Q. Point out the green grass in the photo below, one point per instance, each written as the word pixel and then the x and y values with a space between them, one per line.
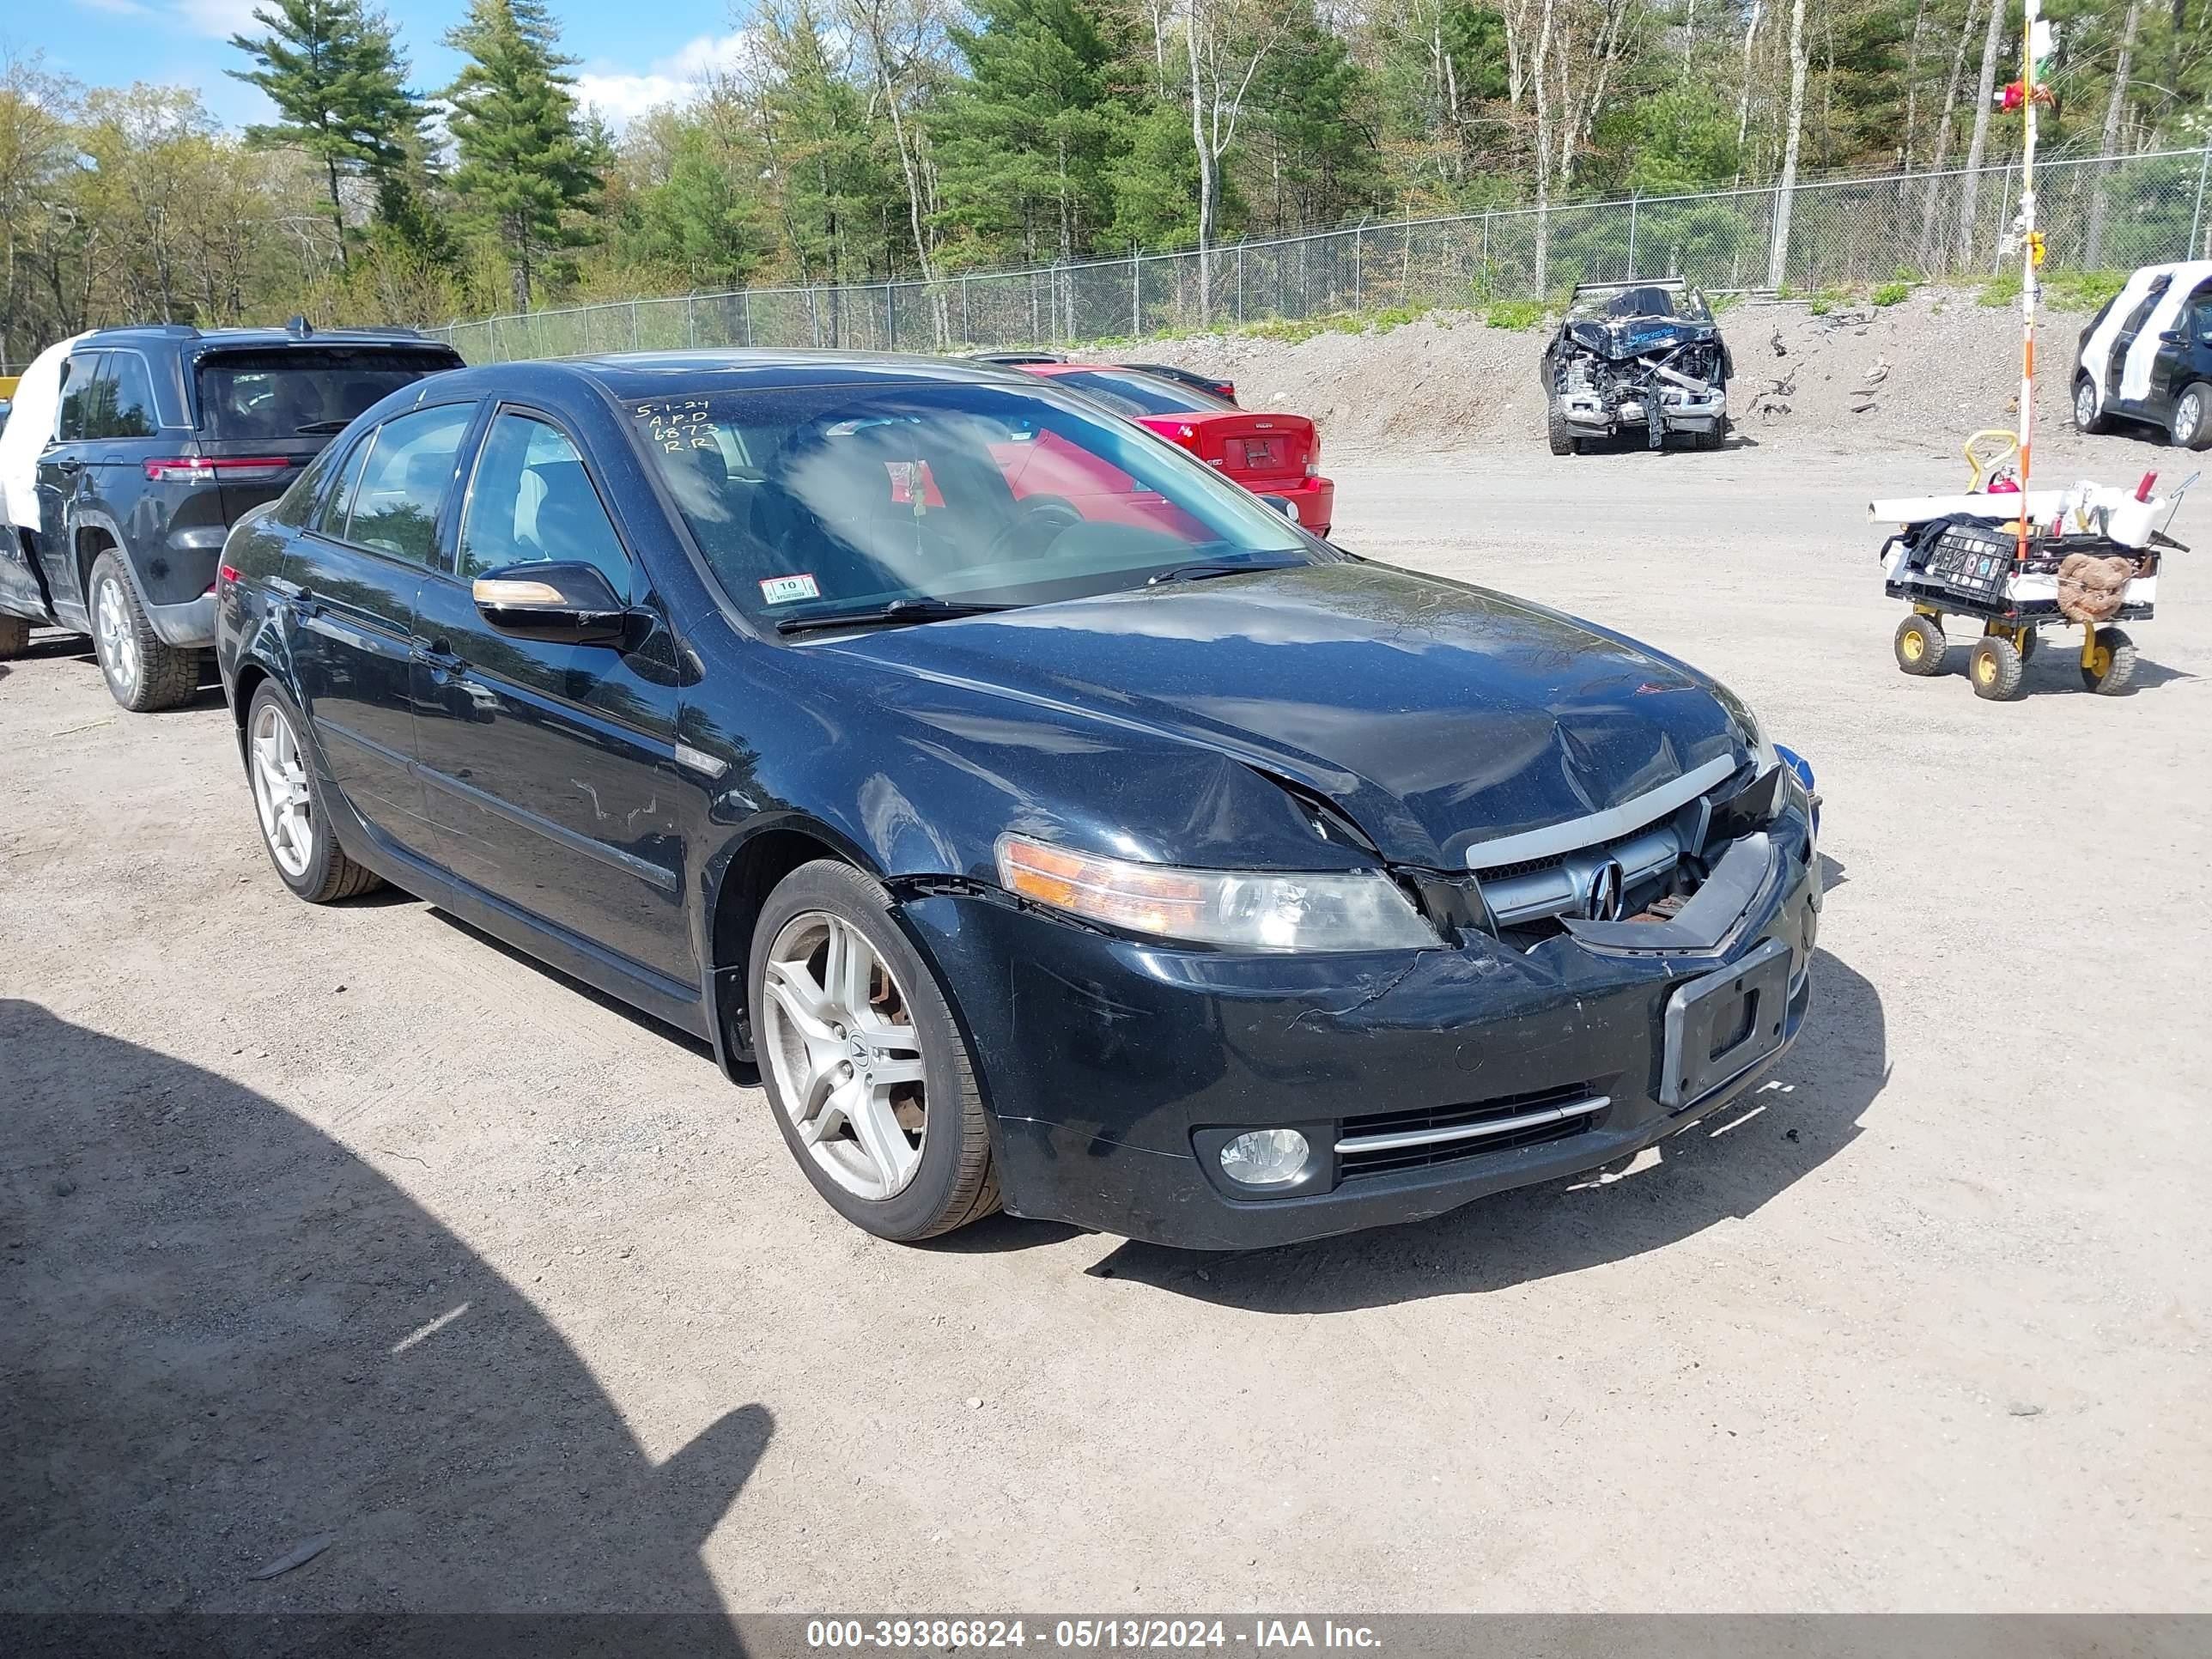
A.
pixel 1891 294
pixel 2000 291
pixel 2081 290
pixel 1514 314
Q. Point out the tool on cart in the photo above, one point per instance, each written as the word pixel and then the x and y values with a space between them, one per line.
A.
pixel 2013 557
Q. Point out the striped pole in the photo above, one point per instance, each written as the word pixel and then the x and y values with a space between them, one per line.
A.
pixel 2031 255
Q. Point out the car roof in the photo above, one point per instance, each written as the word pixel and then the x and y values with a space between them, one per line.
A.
pixel 185 335
pixel 632 375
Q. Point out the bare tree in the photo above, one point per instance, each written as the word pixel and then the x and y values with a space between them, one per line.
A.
pixel 1226 41
pixel 1969 187
pixel 1786 190
pixel 1931 256
pixel 900 40
pixel 2115 102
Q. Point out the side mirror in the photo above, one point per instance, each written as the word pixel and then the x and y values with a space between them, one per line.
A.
pixel 2172 337
pixel 564 604
pixel 1283 505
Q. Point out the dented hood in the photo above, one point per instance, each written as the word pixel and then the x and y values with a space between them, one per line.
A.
pixel 1436 714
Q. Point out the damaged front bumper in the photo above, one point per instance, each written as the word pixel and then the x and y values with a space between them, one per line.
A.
pixel 1116 1069
pixel 1680 410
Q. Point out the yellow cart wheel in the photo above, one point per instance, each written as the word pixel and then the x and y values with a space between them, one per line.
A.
pixel 2108 662
pixel 1920 646
pixel 1993 667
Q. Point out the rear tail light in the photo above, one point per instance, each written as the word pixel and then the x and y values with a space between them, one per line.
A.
pixel 204 469
pixel 1226 389
pixel 1313 458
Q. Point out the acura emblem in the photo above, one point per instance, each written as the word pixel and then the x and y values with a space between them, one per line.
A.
pixel 1602 900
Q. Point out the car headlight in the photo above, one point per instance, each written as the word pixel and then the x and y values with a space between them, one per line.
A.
pixel 1246 910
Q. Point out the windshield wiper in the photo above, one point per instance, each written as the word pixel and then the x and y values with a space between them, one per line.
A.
pixel 882 615
pixel 1204 569
pixel 314 426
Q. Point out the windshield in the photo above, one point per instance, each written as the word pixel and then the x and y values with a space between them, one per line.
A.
pixel 1130 391
pixel 1646 300
pixel 302 392
pixel 827 500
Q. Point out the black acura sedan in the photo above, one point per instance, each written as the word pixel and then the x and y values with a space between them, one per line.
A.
pixel 1051 825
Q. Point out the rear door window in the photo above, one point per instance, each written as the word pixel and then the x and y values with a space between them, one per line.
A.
pixel 390 499
pixel 340 505
pixel 302 392
pixel 82 379
pixel 127 409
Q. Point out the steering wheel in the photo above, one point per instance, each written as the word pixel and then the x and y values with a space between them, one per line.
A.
pixel 1036 512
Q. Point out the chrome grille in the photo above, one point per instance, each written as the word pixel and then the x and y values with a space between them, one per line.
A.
pixel 1379 1142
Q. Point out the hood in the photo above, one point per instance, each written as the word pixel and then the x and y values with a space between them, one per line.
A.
pixel 1621 338
pixel 1437 715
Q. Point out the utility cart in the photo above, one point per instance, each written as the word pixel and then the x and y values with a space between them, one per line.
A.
pixel 2088 558
pixel 2014 559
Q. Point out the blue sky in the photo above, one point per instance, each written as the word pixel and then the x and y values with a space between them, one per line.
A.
pixel 633 57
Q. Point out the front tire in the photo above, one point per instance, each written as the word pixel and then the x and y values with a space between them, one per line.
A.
pixel 1995 668
pixel 143 672
pixel 872 1083
pixel 1920 648
pixel 2190 424
pixel 1562 435
pixel 295 830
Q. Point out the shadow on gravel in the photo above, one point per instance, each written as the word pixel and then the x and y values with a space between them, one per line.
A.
pixel 1721 1170
pixel 227 1345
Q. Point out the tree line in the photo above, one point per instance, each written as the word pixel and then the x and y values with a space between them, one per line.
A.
pixel 864 140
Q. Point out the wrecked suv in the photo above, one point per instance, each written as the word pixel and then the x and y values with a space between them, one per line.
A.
pixel 1644 354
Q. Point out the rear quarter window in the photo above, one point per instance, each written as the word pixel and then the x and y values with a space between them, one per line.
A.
pixel 303 391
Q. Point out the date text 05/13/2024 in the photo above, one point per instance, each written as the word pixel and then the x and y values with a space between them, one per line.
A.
pixel 1111 1635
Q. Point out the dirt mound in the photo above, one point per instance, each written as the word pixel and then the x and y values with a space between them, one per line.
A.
pixel 1913 378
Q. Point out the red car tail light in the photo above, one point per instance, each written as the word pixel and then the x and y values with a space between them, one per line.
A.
pixel 204 469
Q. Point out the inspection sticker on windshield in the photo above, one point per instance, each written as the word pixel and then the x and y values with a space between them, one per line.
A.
pixel 783 590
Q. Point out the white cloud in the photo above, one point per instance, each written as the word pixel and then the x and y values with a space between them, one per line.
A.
pixel 220 18
pixel 119 8
pixel 621 98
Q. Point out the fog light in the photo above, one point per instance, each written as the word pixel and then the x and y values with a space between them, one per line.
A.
pixel 1265 1158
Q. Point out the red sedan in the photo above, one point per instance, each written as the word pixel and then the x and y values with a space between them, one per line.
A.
pixel 1269 454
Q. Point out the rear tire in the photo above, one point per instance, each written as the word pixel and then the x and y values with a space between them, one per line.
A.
pixel 143 672
pixel 1920 646
pixel 287 800
pixel 2088 415
pixel 1994 666
pixel 2189 426
pixel 2111 665
pixel 819 916
pixel 15 637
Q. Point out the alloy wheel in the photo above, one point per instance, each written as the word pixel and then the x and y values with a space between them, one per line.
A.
pixel 116 637
pixel 280 791
pixel 2188 416
pixel 2085 405
pixel 847 1057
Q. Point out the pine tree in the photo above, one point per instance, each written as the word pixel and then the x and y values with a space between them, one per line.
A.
pixel 525 162
pixel 336 80
pixel 1024 140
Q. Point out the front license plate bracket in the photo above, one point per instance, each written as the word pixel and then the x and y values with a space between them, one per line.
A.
pixel 1720 1026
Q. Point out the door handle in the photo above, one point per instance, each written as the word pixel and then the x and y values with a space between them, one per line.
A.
pixel 67 464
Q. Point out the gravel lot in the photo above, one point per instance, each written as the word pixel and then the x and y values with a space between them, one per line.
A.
pixel 348 1225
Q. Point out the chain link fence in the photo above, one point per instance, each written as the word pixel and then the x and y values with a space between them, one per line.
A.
pixel 1842 233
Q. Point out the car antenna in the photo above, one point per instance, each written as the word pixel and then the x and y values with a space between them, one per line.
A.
pixel 300 326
